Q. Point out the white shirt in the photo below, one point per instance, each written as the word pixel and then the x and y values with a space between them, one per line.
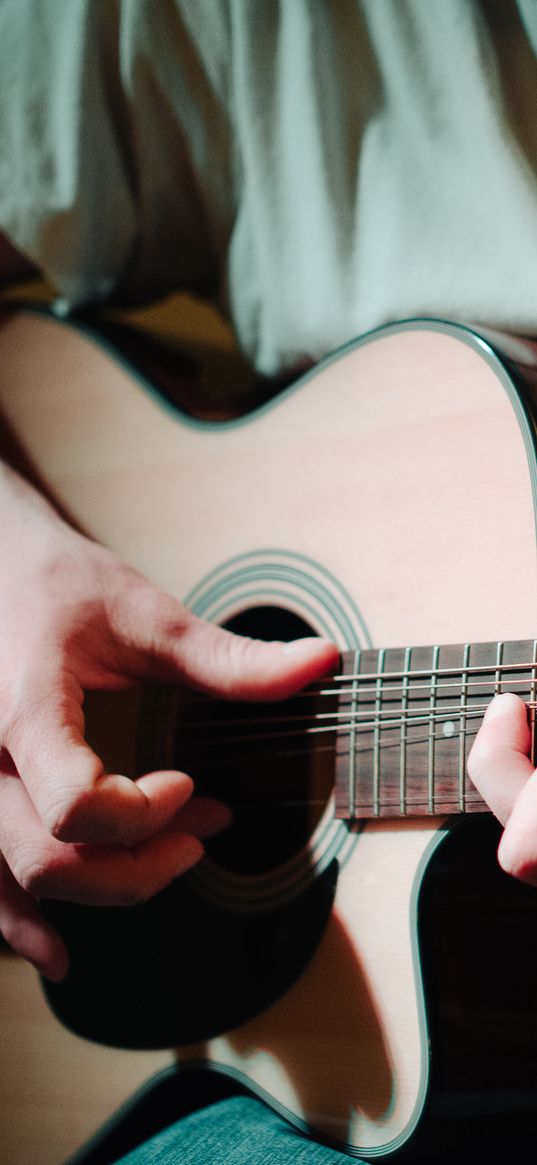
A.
pixel 315 168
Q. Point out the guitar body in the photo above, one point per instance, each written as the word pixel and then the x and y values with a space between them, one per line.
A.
pixel 373 980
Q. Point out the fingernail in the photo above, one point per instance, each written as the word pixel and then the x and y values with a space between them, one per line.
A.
pixel 297 645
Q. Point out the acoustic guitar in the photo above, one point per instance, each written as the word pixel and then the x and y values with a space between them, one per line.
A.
pixel 349 948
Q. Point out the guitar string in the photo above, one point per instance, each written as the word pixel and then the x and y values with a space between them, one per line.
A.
pixel 360 722
pixel 471 797
pixel 313 692
pixel 384 719
pixel 472 669
pixel 482 683
pixel 362 750
pixel 341 729
pixel 236 722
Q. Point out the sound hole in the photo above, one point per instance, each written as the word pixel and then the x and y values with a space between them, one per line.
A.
pixel 260 760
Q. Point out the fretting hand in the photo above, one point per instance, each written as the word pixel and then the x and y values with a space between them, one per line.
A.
pixel 500 768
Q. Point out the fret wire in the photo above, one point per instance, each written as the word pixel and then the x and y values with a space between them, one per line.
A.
pixel 499 663
pixel 403 738
pixel 431 734
pixel 533 697
pixel 462 739
pixel 376 753
pixel 352 736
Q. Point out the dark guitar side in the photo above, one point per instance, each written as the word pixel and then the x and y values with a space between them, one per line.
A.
pixel 477 936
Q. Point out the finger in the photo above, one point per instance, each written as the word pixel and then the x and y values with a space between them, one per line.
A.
pixel 517 852
pixel 239 668
pixel 500 768
pixel 164 639
pixel 104 875
pixel 498 764
pixel 203 817
pixel 75 799
pixel 119 810
pixel 30 935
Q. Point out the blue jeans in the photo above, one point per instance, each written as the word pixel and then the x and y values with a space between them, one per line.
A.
pixel 240 1131
pixel 244 1131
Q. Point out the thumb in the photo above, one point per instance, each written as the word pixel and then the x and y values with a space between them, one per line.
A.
pixel 173 643
pixel 238 668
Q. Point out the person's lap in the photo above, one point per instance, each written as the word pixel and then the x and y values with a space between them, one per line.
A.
pixel 240 1131
pixel 244 1131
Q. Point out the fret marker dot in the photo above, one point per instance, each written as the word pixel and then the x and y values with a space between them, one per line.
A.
pixel 449 728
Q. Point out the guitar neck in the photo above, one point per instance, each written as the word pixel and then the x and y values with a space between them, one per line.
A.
pixel 406 719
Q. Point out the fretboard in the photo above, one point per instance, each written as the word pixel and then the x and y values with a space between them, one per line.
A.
pixel 410 716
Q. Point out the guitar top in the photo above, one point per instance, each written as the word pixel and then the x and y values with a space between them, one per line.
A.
pixel 349 949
